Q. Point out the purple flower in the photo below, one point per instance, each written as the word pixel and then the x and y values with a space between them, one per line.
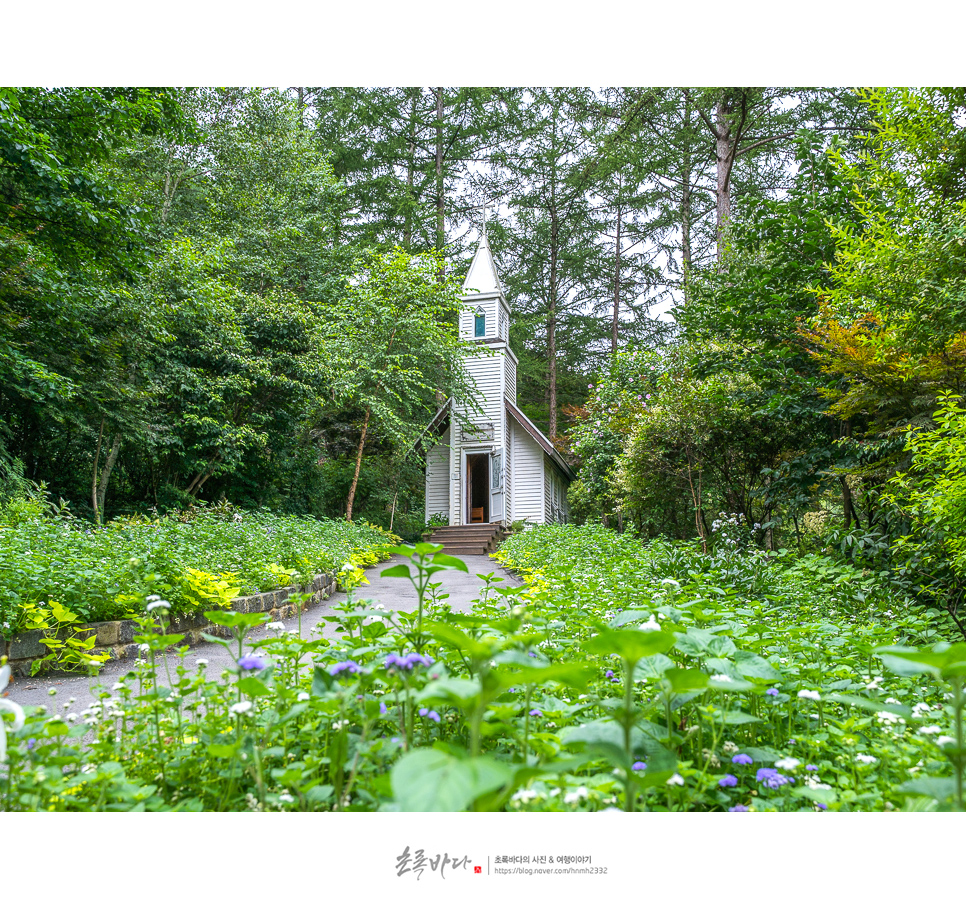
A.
pixel 382 708
pixel 728 780
pixel 429 714
pixel 738 808
pixel 811 768
pixel 771 778
pixel 341 666
pixel 615 680
pixel 742 759
pixel 822 806
pixel 772 691
pixel 251 663
pixel 536 712
pixel 31 742
pixel 407 662
pixel 639 765
pixel 608 674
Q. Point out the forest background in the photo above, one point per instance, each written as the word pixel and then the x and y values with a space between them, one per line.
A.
pixel 249 294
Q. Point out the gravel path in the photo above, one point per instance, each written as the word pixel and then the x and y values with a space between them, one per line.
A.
pixel 394 593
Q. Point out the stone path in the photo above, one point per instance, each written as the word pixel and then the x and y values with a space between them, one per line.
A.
pixel 394 593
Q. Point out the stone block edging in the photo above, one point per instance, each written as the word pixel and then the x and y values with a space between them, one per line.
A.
pixel 117 636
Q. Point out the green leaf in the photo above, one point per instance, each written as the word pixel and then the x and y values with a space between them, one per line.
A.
pixel 428 779
pixel 940 788
pixel 252 686
pixel 322 681
pixel 630 644
pixel 652 667
pixel 396 571
pixel 684 680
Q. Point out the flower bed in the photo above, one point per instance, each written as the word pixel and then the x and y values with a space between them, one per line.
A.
pixel 196 561
pixel 625 676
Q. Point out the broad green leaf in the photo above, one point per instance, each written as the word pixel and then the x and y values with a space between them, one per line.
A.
pixel 428 779
pixel 630 644
pixel 252 686
pixel 396 571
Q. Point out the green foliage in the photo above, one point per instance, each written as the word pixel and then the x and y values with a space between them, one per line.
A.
pixel 199 562
pixel 647 676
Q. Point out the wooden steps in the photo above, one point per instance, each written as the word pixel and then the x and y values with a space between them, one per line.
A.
pixel 468 539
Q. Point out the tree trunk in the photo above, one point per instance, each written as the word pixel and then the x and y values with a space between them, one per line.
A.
pixel 848 509
pixel 440 198
pixel 724 151
pixel 355 475
pixel 410 171
pixel 97 459
pixel 686 197
pixel 615 326
pixel 99 484
pixel 552 330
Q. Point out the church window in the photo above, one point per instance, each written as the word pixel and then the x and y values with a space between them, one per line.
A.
pixel 480 325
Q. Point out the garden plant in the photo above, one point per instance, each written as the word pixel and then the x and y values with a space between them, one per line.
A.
pixel 623 675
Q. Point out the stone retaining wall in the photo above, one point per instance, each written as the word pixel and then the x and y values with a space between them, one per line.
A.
pixel 117 636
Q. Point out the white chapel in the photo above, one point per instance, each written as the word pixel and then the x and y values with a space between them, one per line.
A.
pixel 496 467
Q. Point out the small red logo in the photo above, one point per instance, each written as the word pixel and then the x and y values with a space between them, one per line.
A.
pixel 477 870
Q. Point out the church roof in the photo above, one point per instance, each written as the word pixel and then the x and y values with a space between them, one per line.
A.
pixel 541 439
pixel 483 276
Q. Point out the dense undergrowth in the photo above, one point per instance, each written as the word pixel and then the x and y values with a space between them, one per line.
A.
pixel 640 677
pixel 197 560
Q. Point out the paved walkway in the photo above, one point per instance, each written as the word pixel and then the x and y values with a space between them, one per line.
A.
pixel 394 593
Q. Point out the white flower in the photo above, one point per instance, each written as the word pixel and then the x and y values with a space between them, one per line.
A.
pixel 874 684
pixel 890 718
pixel 808 695
pixel 920 709
pixel 576 795
pixel 9 706
pixel 524 795
pixel 119 686
pixel 676 780
pixel 943 740
pixel 670 581
pixel 286 797
pixel 153 605
pixel 302 697
pixel 722 678
pixel 650 625
pixel 275 626
pixel 338 726
pixel 72 717
pixel 930 730
pixel 241 707
pixel 729 747
pixel 787 763
pixel 866 758
pixel 201 662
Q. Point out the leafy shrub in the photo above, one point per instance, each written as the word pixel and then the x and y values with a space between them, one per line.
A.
pixel 197 559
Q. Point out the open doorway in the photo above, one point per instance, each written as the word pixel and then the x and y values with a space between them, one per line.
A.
pixel 477 488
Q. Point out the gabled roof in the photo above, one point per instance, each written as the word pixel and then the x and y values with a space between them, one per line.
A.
pixel 483 276
pixel 540 438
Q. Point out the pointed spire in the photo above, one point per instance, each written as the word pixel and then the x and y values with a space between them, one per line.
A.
pixel 483 275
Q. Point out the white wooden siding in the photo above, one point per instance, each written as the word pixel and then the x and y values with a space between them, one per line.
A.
pixel 468 319
pixel 510 378
pixel 508 473
pixel 437 478
pixel 528 477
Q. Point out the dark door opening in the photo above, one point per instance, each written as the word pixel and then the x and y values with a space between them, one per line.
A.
pixel 478 488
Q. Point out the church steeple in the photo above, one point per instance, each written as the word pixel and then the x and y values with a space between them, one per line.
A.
pixel 483 276
pixel 486 313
